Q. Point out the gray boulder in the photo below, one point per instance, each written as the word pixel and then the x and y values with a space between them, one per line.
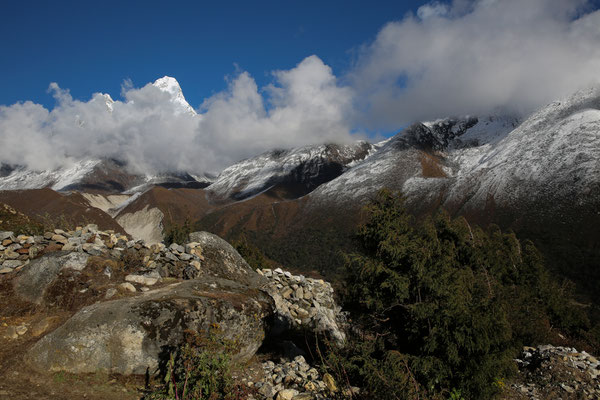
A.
pixel 32 283
pixel 222 260
pixel 132 334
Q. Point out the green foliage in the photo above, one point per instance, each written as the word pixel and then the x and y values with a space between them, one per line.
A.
pixel 200 369
pixel 445 306
pixel 252 254
pixel 178 233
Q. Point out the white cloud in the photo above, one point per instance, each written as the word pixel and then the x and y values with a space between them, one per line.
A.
pixel 305 105
pixel 475 57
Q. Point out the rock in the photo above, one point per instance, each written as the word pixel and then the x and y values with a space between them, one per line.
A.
pixel 129 335
pixel 196 264
pixel 59 239
pixel 21 330
pixel 185 257
pixel 11 333
pixel 6 235
pixel 12 263
pixel 223 261
pixel 110 292
pixel 6 270
pixel 40 327
pixel 303 396
pixel 42 272
pixel 92 249
pixel 141 279
pixel 330 383
pixel 286 394
pixel 127 287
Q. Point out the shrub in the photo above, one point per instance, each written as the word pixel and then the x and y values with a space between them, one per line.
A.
pixel 178 233
pixel 444 306
pixel 200 369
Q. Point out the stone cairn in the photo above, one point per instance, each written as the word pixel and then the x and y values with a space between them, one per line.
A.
pixel 157 259
pixel 305 303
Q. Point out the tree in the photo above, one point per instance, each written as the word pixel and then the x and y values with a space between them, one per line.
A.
pixel 449 300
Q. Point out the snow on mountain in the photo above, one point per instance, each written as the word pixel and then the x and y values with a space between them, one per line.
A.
pixel 551 155
pixel 414 159
pixel 308 166
pixel 171 86
pixel 21 178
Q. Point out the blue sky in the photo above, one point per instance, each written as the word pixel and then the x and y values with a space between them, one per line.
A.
pixel 92 46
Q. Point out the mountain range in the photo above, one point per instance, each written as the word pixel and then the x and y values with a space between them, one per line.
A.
pixel 538 175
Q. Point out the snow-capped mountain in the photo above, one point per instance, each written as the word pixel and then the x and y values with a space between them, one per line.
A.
pixel 171 86
pixel 415 153
pixel 305 167
pixel 97 176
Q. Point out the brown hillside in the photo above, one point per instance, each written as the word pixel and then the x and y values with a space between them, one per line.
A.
pixel 50 207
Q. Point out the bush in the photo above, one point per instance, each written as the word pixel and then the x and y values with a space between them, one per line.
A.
pixel 177 233
pixel 444 306
pixel 200 369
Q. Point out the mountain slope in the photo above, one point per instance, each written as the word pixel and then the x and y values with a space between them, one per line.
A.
pixel 300 170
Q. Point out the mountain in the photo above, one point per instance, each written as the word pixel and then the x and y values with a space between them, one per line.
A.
pixel 106 176
pixel 299 170
pixel 539 176
pixel 171 86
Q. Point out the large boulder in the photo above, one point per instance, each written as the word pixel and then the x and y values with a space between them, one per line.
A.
pixel 132 334
pixel 32 283
pixel 222 260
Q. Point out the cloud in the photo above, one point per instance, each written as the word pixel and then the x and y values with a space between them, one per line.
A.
pixel 474 57
pixel 304 105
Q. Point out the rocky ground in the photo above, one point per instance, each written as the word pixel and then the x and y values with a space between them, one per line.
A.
pixel 90 314
pixel 548 372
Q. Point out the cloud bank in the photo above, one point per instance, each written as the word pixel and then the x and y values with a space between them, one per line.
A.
pixel 473 57
pixel 447 59
pixel 152 133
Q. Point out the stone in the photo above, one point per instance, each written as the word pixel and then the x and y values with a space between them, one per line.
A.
pixel 196 264
pixel 6 242
pixel 185 257
pixel 141 279
pixel 42 326
pixel 299 293
pixel 6 235
pixel 127 287
pixel 11 264
pixel 6 270
pixel 286 394
pixel 223 261
pixel 11 333
pixel 92 249
pixel 129 335
pixel 21 330
pixel 110 293
pixel 303 396
pixel 32 283
pixel 59 238
pixel 330 383
pixel 287 292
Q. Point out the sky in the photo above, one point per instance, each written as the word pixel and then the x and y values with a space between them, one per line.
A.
pixel 93 46
pixel 265 75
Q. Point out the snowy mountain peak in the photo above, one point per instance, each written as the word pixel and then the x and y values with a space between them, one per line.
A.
pixel 171 86
pixel 108 101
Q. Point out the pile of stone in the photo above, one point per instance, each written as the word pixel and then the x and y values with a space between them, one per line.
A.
pixel 557 372
pixel 294 380
pixel 17 250
pixel 176 260
pixel 305 303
